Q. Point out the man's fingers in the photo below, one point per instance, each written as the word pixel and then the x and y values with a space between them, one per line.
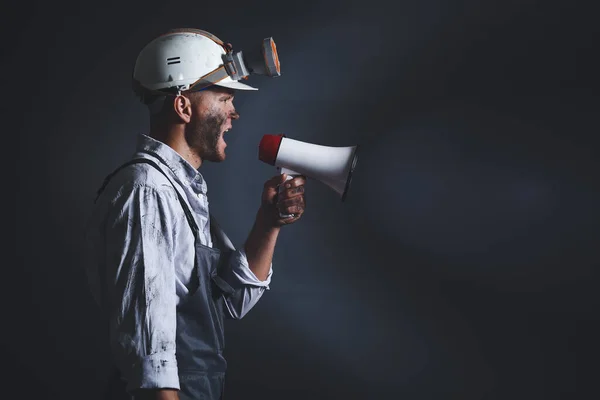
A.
pixel 297 181
pixel 293 192
pixel 296 211
pixel 292 201
pixel 291 220
pixel 275 181
pixel 281 178
pixel 294 205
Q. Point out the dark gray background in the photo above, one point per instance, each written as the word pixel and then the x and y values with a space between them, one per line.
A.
pixel 462 265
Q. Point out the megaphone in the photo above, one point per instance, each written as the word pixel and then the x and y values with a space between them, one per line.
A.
pixel 332 166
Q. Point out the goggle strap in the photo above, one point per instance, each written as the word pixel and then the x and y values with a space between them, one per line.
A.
pixel 226 46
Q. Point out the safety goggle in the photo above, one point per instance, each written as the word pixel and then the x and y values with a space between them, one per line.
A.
pixel 263 60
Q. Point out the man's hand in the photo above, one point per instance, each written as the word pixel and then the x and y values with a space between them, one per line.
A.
pixel 260 244
pixel 290 200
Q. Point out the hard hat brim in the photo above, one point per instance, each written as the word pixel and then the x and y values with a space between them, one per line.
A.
pixel 235 85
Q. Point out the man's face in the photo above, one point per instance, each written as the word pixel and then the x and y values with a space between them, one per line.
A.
pixel 212 114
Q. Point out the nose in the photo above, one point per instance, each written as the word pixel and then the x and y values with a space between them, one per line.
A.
pixel 234 115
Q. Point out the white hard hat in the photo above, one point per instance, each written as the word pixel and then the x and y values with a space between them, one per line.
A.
pixel 183 59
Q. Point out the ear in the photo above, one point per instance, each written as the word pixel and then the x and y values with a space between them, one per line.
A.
pixel 183 108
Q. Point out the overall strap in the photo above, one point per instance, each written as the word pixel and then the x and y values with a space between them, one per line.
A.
pixel 220 282
pixel 186 209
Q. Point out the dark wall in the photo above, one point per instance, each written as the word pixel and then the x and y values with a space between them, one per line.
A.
pixel 463 263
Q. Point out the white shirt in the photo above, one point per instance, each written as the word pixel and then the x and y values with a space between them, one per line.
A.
pixel 140 257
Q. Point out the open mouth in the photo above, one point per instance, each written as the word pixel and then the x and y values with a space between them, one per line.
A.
pixel 223 134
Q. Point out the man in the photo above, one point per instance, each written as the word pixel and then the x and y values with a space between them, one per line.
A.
pixel 163 272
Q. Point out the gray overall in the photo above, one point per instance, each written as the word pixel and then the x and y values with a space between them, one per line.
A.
pixel 200 316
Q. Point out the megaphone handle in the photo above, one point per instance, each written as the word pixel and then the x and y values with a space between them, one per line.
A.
pixel 290 175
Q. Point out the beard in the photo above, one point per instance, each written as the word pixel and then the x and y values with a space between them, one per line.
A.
pixel 203 134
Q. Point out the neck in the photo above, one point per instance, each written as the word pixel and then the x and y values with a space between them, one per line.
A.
pixel 174 137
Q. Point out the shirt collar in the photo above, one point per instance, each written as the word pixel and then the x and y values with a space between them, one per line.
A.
pixel 182 169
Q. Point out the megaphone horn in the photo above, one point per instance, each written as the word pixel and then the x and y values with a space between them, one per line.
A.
pixel 332 166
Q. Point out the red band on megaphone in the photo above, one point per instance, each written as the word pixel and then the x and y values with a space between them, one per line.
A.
pixel 269 147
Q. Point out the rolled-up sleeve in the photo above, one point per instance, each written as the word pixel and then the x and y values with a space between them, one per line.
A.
pixel 249 289
pixel 141 287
